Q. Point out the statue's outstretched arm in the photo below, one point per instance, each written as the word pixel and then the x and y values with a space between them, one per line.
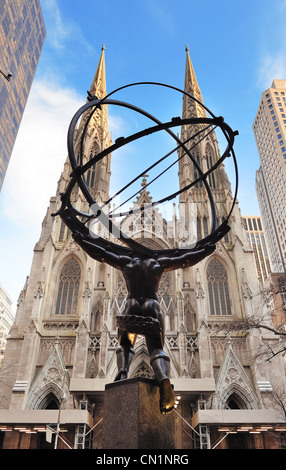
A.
pixel 99 253
pixel 186 260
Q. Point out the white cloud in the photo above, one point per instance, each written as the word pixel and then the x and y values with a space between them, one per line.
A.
pixel 39 153
pixel 273 66
pixel 62 32
pixel 272 63
pixel 34 170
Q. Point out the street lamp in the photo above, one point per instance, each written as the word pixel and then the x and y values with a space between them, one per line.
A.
pixel 8 76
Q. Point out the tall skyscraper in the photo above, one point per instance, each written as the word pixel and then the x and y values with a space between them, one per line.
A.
pixel 256 236
pixel 22 36
pixel 270 134
pixel 64 339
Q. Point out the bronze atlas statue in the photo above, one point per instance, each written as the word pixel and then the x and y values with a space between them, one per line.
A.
pixel 141 266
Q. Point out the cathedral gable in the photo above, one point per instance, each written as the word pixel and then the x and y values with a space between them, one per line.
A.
pixel 233 380
pixel 52 379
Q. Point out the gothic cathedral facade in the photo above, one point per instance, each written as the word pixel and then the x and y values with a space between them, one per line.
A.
pixel 63 342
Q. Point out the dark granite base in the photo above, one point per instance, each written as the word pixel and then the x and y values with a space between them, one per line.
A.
pixel 132 418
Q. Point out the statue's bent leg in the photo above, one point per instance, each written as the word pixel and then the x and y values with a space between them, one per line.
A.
pixel 160 362
pixel 124 353
pixel 126 340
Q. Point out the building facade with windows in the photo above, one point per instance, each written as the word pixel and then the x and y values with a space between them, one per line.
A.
pixel 270 134
pixel 22 36
pixel 61 351
pixel 256 236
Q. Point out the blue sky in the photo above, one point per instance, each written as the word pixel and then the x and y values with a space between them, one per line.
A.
pixel 237 49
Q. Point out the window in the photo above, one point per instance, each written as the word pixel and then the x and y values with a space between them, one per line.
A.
pixel 196 171
pixel 210 162
pixel 218 289
pixel 199 231
pixel 67 298
pixel 64 232
pixel 226 237
pixel 205 227
pixel 90 179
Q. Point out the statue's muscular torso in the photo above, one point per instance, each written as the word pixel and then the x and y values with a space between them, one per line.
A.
pixel 142 278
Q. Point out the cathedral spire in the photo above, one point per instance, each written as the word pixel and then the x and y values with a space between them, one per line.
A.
pixel 191 108
pixel 96 137
pixel 98 87
pixel 191 84
pixel 98 176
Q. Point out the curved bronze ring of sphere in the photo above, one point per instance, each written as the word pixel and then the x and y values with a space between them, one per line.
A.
pixel 74 218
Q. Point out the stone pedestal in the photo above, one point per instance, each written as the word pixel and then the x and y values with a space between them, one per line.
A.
pixel 132 418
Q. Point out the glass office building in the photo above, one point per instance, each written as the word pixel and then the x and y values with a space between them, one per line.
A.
pixel 22 36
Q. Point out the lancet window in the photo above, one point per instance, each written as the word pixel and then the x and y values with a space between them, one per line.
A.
pixel 67 298
pixel 202 227
pixel 205 227
pixel 199 230
pixel 218 289
pixel 91 172
pixel 196 171
pixel 64 232
pixel 210 163
pixel 226 237
pixel 90 179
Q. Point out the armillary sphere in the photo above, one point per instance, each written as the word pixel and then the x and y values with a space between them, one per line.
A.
pixel 79 222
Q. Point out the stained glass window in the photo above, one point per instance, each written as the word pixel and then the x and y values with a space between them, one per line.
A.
pixel 218 289
pixel 68 288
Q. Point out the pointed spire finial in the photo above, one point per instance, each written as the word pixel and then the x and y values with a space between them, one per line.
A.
pixel 144 180
pixel 98 87
pixel 191 87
